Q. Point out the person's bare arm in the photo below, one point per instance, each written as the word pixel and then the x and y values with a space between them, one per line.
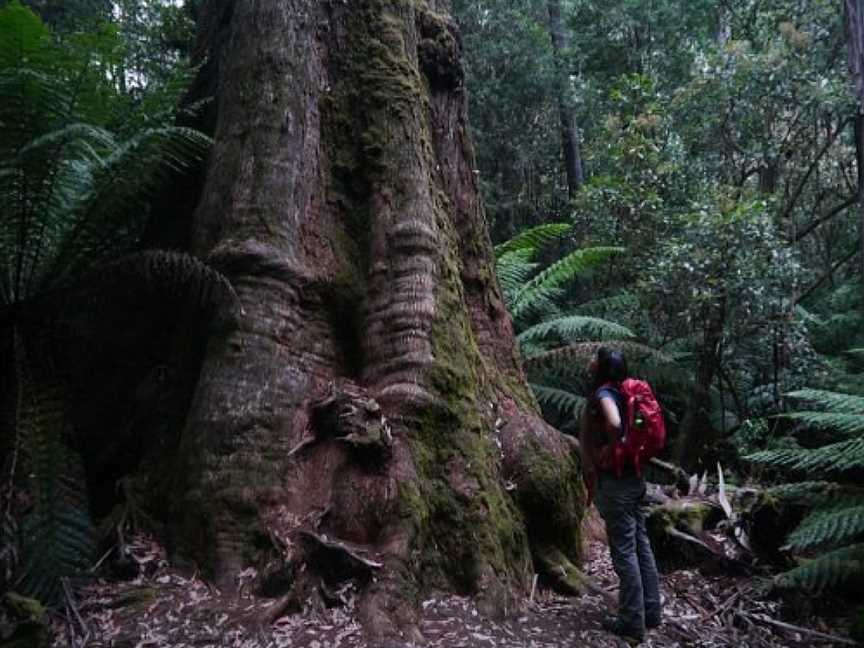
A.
pixel 585 444
pixel 612 417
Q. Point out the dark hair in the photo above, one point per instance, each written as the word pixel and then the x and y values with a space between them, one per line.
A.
pixel 611 367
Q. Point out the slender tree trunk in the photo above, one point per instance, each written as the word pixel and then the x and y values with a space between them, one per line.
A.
pixel 696 431
pixel 566 114
pixel 855 33
pixel 369 402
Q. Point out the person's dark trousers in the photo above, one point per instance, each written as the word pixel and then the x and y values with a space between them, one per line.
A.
pixel 620 502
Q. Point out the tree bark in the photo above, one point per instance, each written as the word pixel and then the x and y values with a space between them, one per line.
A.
pixel 569 132
pixel 370 401
pixel 855 34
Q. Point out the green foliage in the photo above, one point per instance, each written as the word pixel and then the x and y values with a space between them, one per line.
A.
pixel 836 515
pixel 513 111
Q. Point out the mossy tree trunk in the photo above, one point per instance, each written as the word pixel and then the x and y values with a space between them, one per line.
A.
pixel 369 401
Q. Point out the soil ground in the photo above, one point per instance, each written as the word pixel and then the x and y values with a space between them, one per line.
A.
pixel 167 609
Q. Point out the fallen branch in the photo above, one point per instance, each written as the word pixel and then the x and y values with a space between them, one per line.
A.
pixel 73 609
pixel 721 608
pixel 793 628
pixel 342 547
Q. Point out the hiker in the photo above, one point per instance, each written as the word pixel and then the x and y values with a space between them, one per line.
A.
pixel 619 491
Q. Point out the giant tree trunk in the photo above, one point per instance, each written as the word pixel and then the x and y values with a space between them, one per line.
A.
pixel 369 403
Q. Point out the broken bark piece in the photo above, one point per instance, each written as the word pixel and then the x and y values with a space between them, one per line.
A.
pixel 348 415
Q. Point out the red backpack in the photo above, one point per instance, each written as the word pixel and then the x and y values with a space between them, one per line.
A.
pixel 643 430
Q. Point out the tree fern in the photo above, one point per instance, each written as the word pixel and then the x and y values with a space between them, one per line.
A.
pixel 836 515
pixel 816 493
pixel 835 402
pixel 76 166
pixel 74 189
pixel 839 458
pixel 551 335
pixel 514 268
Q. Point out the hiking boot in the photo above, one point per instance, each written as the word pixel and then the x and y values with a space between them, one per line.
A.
pixel 650 624
pixel 617 628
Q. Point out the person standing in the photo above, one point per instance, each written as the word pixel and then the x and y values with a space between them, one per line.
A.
pixel 619 493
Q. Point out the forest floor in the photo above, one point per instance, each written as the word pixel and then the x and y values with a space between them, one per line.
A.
pixel 167 609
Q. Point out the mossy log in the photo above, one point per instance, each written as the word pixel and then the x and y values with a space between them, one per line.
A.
pixel 676 530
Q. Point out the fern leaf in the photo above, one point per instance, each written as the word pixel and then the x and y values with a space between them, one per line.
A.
pixel 553 278
pixel 839 567
pixel 840 457
pixel 57 541
pixel 624 302
pixel 514 269
pixel 845 424
pixel 57 537
pixel 576 327
pixel 577 355
pixel 564 401
pixel 832 526
pixel 534 239
pixel 833 401
pixel 816 493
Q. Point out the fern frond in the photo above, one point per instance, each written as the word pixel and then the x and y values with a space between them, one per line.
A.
pixel 845 424
pixel 122 180
pixel 168 275
pixel 623 302
pixel 575 327
pixel 534 239
pixel 552 279
pixel 815 493
pixel 839 457
pixel 514 268
pixel 826 527
pixel 833 401
pixel 58 541
pixel 836 568
pixel 564 401
pixel 57 537
pixel 577 355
